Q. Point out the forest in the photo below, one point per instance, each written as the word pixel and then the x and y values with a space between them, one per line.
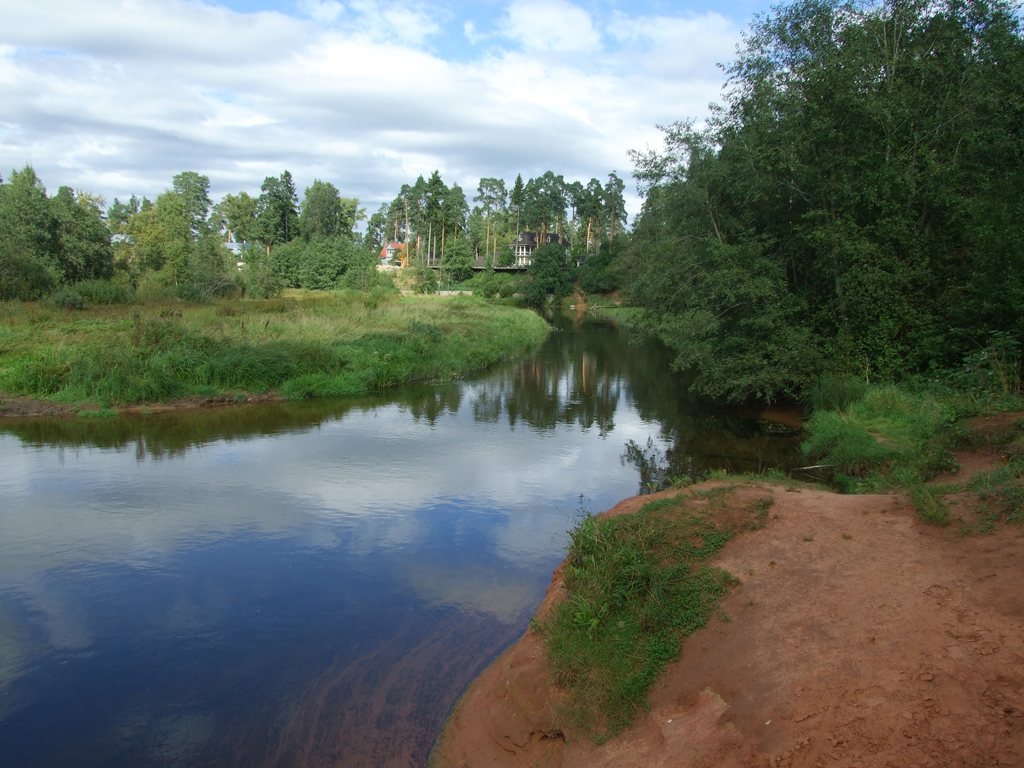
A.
pixel 851 208
pixel 60 246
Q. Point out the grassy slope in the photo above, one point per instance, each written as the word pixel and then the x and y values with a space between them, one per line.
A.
pixel 302 345
pixel 637 584
pixel 885 437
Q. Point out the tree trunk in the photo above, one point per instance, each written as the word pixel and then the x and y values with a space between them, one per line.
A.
pixel 405 260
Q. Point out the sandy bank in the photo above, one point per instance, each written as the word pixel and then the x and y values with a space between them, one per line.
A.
pixel 859 637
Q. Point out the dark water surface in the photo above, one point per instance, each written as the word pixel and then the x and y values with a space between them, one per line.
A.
pixel 315 583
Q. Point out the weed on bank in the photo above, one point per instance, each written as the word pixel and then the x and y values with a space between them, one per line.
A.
pixel 304 345
pixel 884 437
pixel 637 584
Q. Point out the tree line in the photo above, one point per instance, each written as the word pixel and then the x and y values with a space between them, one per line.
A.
pixel 429 217
pixel 854 207
pixel 174 244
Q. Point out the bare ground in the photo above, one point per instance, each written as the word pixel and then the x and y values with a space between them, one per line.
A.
pixel 859 637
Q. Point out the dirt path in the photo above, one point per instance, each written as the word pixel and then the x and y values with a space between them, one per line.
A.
pixel 859 637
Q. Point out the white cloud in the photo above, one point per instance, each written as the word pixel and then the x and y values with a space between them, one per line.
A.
pixel 117 97
pixel 474 37
pixel 324 11
pixel 551 25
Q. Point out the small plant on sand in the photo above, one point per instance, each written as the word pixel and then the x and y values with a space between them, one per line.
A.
pixel 636 585
pixel 930 508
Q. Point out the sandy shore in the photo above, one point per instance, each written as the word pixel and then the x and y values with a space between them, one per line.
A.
pixel 859 637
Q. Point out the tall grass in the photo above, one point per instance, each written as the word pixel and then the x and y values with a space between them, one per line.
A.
pixel 305 345
pixel 886 428
pixel 877 437
pixel 636 585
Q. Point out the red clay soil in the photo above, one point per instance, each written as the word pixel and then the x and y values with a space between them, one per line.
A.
pixel 859 637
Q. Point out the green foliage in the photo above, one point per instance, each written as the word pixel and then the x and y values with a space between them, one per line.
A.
pixel 323 345
pixel 324 262
pixel 286 262
pixel 458 260
pixel 68 298
pixel 258 276
pixel 599 272
pixel 930 508
pixel 850 208
pixel 636 585
pixel 277 216
pixel 23 275
pixel 888 428
pixel 1001 494
pixel 104 292
pixel 549 273
pixel 48 242
pixel 834 393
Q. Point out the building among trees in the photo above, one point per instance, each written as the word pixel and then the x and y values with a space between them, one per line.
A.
pixel 528 242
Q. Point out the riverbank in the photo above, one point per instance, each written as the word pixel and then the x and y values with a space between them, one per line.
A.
pixel 57 361
pixel 858 635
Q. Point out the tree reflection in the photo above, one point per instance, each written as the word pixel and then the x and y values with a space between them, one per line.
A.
pixel 581 376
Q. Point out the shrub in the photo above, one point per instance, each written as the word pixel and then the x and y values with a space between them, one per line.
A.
pixel 507 290
pixel 549 273
pixel 68 298
pixel 22 275
pixel 104 292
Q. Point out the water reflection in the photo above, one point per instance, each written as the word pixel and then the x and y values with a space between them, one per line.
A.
pixel 313 582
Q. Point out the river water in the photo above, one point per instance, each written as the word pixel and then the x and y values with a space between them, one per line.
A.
pixel 315 583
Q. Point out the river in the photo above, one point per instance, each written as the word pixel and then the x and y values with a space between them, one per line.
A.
pixel 315 583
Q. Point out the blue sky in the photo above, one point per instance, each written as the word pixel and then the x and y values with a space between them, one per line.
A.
pixel 116 96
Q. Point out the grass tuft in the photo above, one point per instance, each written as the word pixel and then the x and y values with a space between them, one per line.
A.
pixel 636 585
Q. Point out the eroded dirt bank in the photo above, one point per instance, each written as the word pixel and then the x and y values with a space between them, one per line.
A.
pixel 859 637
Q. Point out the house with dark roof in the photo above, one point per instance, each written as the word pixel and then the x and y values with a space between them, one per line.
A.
pixel 528 242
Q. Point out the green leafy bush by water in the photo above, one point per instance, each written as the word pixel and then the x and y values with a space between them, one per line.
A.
pixel 636 585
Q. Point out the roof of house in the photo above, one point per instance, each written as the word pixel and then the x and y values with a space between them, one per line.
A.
pixel 393 246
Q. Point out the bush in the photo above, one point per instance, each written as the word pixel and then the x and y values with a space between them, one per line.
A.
pixel 835 393
pixel 458 260
pixel 23 276
pixel 104 292
pixel 68 298
pixel 549 274
pixel 286 262
pixel 259 279
pixel 378 295
pixel 490 288
pixel 507 290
